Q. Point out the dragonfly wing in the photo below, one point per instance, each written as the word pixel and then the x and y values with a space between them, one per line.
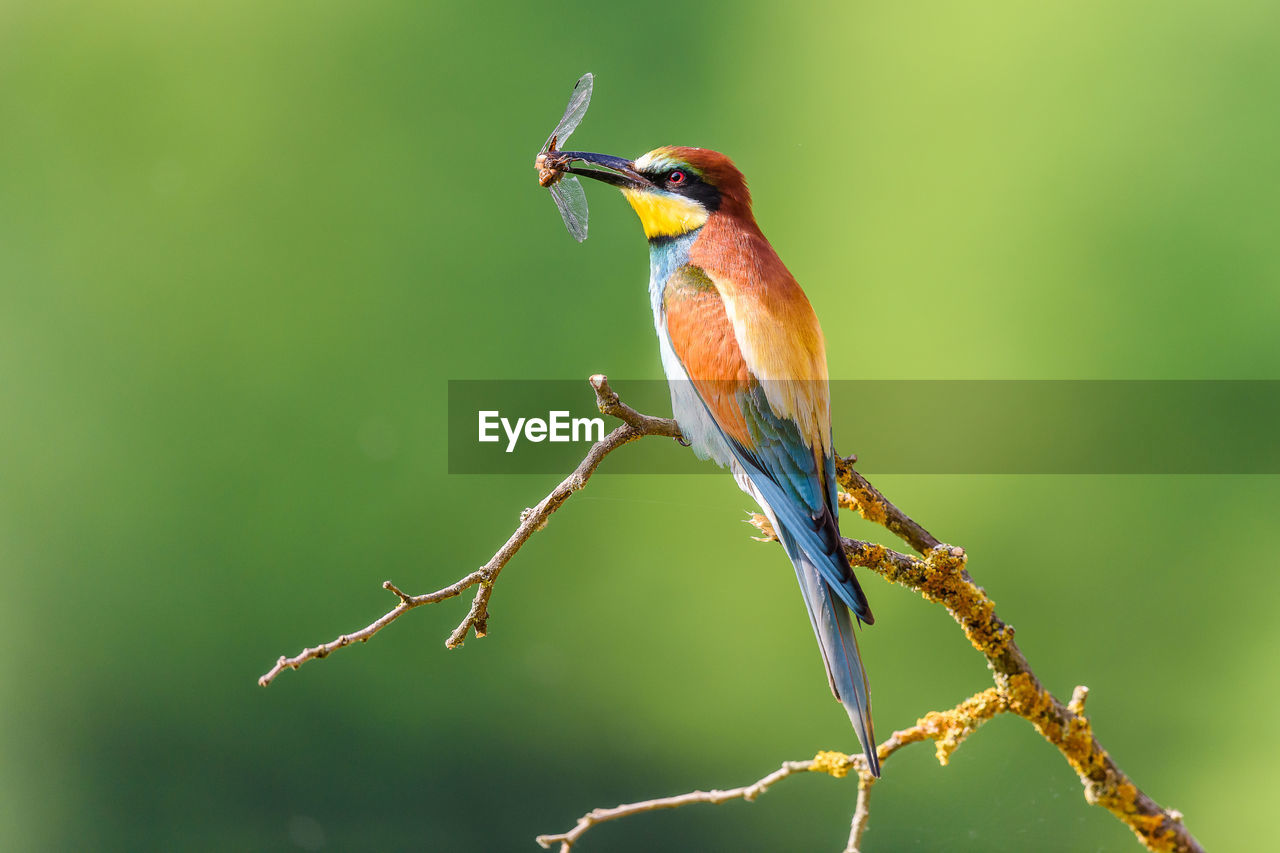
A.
pixel 579 99
pixel 571 201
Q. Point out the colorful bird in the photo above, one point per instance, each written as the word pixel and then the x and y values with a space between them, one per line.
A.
pixel 747 365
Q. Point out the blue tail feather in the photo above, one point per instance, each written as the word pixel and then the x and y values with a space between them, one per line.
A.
pixel 833 626
pixel 807 538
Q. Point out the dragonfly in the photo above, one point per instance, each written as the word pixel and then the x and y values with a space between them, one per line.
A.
pixel 566 190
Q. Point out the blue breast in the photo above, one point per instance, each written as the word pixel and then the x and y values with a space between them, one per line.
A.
pixel 665 257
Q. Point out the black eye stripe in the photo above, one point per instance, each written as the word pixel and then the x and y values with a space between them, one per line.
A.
pixel 691 186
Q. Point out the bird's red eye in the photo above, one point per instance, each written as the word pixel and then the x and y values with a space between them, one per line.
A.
pixel 676 177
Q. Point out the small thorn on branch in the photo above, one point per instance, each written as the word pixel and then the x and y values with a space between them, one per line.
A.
pixel 404 597
pixel 1078 697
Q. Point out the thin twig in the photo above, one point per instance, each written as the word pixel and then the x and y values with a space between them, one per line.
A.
pixel 747 792
pixel 946 727
pixel 861 814
pixel 635 425
pixel 407 603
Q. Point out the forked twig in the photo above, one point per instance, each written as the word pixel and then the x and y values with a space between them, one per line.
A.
pixel 948 728
pixel 634 425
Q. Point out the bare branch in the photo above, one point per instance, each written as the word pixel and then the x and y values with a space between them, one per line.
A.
pixel 950 727
pixel 861 815
pixel 407 603
pixel 635 425
pixel 747 792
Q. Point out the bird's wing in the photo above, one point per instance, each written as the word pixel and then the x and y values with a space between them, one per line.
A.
pixel 790 470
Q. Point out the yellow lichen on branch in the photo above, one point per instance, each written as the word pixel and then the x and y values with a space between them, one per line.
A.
pixel 1103 786
pixel 865 504
pixel 835 764
pixel 941 578
pixel 949 729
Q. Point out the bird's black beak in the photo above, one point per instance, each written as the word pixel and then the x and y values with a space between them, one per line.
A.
pixel 621 173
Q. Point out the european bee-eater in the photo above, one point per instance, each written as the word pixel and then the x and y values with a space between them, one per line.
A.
pixel 747 365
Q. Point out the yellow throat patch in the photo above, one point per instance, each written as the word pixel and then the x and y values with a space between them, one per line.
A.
pixel 664 215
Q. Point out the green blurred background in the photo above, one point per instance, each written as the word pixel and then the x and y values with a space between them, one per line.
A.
pixel 243 246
